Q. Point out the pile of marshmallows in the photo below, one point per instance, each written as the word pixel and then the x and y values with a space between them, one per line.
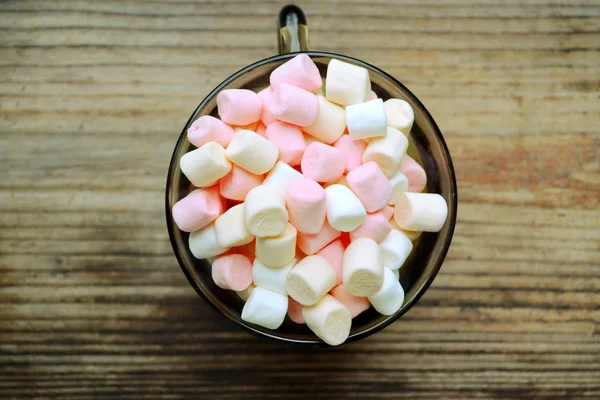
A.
pixel 323 235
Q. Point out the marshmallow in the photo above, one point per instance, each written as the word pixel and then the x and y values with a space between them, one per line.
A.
pixel 345 212
pixel 198 209
pixel 239 106
pixel 271 278
pixel 279 250
pixel 399 183
pixel 396 274
pixel 354 304
pixel 250 127
pixel 205 165
pixel 375 227
pixel 265 308
pixel 244 294
pixel 237 183
pixel 412 235
pixel 281 177
pixel 209 129
pixel 289 140
pixel 363 268
pixel 388 211
pixel 294 105
pixel 370 185
pixel 329 319
pixel 252 152
pixel 306 205
pixel 264 211
pixel 204 243
pixel 334 254
pixel 342 182
pixel 417 178
pixel 246 250
pixel 295 311
pixel 311 243
pixel 425 212
pixel 261 129
pixel 371 96
pixel 390 297
pixel 366 120
pixel 232 271
pixel 395 249
pixel 322 163
pixel 346 84
pixel 266 97
pixel 311 139
pixel 387 151
pixel 330 122
pixel 399 115
pixel 231 228
pixel 300 71
pixel 352 151
pixel 310 280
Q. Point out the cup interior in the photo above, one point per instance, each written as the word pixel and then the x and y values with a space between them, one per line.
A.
pixel 426 145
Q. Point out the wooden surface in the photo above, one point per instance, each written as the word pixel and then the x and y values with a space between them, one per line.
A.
pixel 93 96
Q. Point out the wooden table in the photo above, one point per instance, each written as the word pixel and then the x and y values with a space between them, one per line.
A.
pixel 93 96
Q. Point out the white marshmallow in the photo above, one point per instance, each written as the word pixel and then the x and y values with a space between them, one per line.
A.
pixel 395 249
pixel 252 152
pixel 412 235
pixel 366 120
pixel 271 278
pixel 330 123
pixel 231 228
pixel 329 319
pixel 399 115
pixel 362 269
pixel 310 280
pixel 387 151
pixel 399 183
pixel 279 250
pixel 281 176
pixel 345 212
pixel 390 297
pixel 204 243
pixel 205 165
pixel 396 274
pixel 265 212
pixel 244 294
pixel 425 212
pixel 346 83
pixel 265 308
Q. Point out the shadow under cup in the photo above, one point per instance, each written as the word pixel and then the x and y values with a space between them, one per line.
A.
pixel 426 145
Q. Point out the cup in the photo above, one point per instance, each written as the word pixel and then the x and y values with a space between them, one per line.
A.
pixel 426 145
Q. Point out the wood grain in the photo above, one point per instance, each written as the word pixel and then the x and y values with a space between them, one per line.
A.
pixel 92 98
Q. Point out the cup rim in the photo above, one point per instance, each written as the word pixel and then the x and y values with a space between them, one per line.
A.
pixel 452 207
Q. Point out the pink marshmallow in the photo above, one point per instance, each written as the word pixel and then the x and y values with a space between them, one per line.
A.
pixel 232 271
pixel 250 127
pixel 355 304
pixel 261 130
pixel 310 244
pixel 300 71
pixel 266 97
pixel 388 212
pixel 209 129
pixel 334 254
pixel 239 106
pixel 198 209
pixel 370 185
pixel 376 227
pixel 352 150
pixel 294 105
pixel 306 204
pixel 417 178
pixel 238 182
pixel 295 311
pixel 323 163
pixel 372 96
pixel 289 140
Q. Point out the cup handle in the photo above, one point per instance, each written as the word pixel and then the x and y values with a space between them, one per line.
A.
pixel 293 32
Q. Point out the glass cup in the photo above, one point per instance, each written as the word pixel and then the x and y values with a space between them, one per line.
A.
pixel 426 145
